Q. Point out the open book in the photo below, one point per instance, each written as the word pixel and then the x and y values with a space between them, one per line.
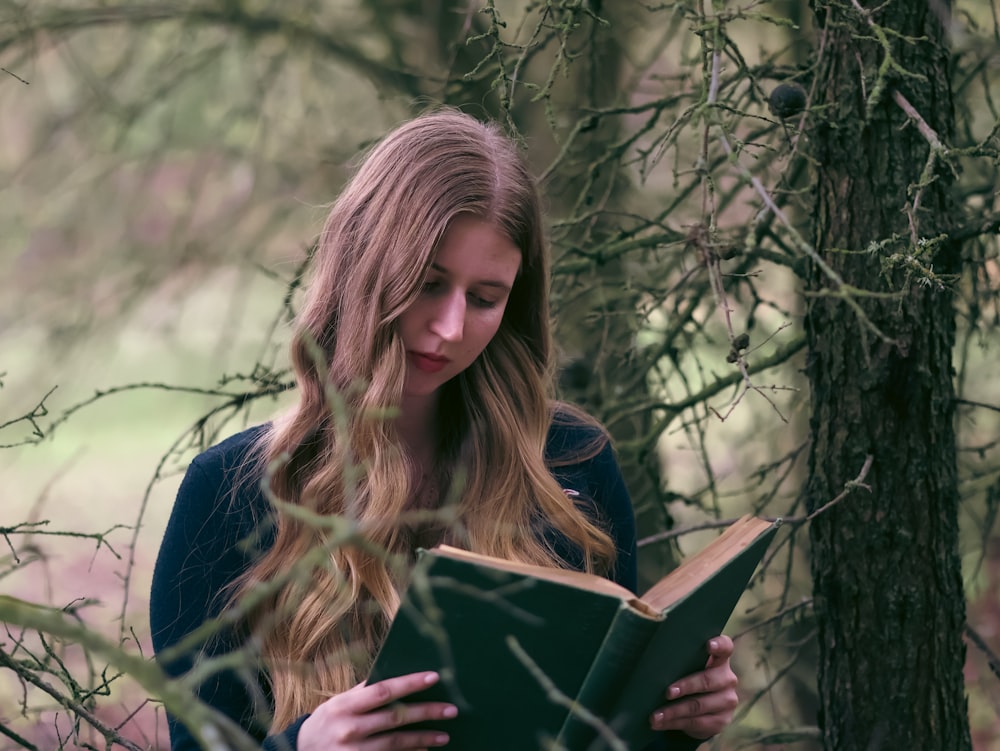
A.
pixel 541 658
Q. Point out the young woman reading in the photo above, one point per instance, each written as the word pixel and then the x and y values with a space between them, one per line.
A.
pixel 427 319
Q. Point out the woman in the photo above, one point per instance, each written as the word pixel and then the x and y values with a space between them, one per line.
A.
pixel 423 356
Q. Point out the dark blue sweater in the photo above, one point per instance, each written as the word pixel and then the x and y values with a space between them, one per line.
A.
pixel 205 548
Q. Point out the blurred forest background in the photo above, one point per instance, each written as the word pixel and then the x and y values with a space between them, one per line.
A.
pixel 165 167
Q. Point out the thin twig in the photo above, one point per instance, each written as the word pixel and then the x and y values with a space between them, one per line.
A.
pixel 857 482
pixel 558 697
pixel 841 288
pixel 849 487
pixel 991 658
pixel 983 405
pixel 925 130
pixel 109 733
pixel 14 75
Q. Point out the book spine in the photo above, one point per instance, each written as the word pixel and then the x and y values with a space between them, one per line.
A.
pixel 623 647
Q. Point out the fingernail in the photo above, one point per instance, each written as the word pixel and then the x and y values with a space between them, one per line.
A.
pixel 658 719
pixel 713 644
pixel 450 712
pixel 673 692
pixel 430 678
pixel 441 739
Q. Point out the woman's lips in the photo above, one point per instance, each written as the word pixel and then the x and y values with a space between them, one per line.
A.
pixel 428 363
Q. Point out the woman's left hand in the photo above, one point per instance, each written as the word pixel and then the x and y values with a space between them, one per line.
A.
pixel 702 704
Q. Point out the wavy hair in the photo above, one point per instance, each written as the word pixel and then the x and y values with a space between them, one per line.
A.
pixel 319 632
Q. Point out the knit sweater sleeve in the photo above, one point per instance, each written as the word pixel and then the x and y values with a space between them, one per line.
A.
pixel 210 539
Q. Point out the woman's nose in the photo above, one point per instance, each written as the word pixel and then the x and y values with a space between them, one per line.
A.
pixel 449 317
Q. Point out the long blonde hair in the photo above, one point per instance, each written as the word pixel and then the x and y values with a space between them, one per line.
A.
pixel 319 632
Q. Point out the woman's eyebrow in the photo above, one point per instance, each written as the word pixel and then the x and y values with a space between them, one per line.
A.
pixel 480 282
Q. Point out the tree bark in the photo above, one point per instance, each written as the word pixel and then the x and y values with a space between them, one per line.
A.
pixel 887 580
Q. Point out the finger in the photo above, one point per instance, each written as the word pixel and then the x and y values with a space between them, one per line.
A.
pixel 720 702
pixel 406 739
pixel 718 678
pixel 720 649
pixel 398 715
pixel 364 698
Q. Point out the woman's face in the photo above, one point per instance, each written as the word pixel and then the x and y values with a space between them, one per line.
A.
pixel 460 306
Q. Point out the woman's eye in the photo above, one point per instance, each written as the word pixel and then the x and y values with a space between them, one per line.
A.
pixel 431 286
pixel 482 302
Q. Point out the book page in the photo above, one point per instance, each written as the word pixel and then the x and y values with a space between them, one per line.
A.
pixel 570 578
pixel 702 565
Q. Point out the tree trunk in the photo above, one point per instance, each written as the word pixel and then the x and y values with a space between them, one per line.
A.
pixel 887 579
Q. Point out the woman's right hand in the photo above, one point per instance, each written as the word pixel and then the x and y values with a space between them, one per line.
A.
pixel 347 721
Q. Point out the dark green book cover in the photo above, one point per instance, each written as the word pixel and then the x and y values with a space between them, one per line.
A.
pixel 458 618
pixel 520 654
pixel 642 666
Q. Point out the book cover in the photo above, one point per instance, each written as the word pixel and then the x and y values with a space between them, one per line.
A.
pixel 641 668
pixel 489 633
pixel 536 657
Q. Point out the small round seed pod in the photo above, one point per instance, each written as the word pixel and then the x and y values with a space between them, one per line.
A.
pixel 787 100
